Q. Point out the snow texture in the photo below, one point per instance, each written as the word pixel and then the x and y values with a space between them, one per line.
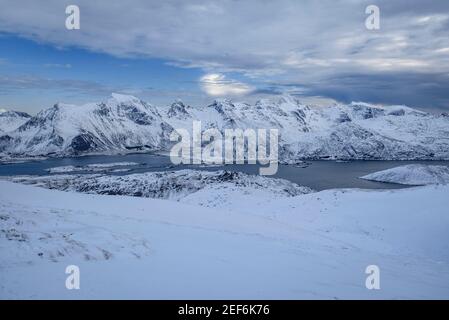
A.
pixel 312 246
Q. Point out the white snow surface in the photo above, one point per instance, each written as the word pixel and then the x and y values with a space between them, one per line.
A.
pixel 94 167
pixel 314 245
pixel 412 174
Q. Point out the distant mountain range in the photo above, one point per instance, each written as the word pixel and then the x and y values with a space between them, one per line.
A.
pixel 123 123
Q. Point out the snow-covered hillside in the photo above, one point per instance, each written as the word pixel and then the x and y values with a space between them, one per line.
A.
pixel 123 123
pixel 314 245
pixel 174 185
pixel 412 174
pixel 11 120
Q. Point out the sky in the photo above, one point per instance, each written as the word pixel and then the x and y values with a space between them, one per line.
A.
pixel 197 51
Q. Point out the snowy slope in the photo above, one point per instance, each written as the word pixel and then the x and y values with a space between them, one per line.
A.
pixel 353 131
pixel 11 120
pixel 311 246
pixel 412 174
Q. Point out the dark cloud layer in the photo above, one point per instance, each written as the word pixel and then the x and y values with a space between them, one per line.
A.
pixel 321 47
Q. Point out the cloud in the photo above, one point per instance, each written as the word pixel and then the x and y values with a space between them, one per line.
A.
pixel 249 37
pixel 10 84
pixel 46 91
pixel 58 65
pixel 286 41
pixel 413 89
pixel 217 85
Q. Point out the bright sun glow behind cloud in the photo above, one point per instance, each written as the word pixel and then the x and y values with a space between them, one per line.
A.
pixel 217 85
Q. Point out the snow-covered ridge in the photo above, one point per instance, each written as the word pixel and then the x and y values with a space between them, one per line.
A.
pixel 412 174
pixel 11 120
pixel 94 167
pixel 123 123
pixel 173 185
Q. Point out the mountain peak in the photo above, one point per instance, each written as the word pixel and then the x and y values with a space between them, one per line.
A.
pixel 222 101
pixel 178 102
pixel 177 108
pixel 16 114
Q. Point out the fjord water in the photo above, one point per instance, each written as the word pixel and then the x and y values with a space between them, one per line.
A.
pixel 319 175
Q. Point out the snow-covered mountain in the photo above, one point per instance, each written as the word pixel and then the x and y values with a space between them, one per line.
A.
pixel 11 120
pixel 353 131
pixel 120 123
